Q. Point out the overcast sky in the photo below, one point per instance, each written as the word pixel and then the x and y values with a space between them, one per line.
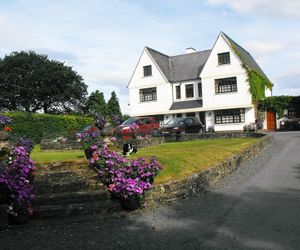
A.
pixel 103 40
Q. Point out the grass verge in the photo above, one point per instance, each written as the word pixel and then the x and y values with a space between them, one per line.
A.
pixel 179 159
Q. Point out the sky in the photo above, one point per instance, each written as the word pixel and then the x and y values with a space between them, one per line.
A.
pixel 103 39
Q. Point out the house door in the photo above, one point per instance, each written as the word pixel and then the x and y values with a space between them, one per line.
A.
pixel 271 120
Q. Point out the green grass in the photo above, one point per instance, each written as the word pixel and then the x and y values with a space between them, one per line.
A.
pixel 184 158
pixel 179 159
pixel 47 156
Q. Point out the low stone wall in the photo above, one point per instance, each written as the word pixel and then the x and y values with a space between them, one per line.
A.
pixel 52 144
pixel 197 136
pixel 142 142
pixel 200 182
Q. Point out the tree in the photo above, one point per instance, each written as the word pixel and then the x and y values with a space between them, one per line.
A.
pixel 113 106
pixel 30 82
pixel 96 103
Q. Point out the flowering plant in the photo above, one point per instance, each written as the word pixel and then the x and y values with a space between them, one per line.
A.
pixel 4 122
pixel 100 121
pixel 17 177
pixel 25 143
pixel 126 180
pixel 90 137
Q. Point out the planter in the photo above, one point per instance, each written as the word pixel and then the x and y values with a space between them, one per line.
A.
pixel 88 153
pixel 130 205
pixel 19 219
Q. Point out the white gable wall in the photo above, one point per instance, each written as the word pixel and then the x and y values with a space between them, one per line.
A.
pixel 138 81
pixel 213 101
pixel 212 71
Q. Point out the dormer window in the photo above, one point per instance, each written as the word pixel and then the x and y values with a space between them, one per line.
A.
pixel 223 58
pixel 148 70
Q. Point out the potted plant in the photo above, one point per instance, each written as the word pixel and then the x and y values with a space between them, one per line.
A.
pixel 88 139
pixel 130 192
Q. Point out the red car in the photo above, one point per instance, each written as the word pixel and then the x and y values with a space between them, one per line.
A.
pixel 139 126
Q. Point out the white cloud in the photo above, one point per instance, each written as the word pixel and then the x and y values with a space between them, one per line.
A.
pixel 275 8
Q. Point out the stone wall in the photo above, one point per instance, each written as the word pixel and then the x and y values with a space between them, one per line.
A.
pixel 197 136
pixel 52 144
pixel 200 182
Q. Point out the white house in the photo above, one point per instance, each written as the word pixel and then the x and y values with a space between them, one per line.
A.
pixel 211 85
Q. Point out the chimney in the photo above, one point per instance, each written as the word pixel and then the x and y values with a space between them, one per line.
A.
pixel 190 50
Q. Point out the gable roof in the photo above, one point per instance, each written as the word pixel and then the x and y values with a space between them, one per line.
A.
pixel 189 66
pixel 182 67
pixel 244 55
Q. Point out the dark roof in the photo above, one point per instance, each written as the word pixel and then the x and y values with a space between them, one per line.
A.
pixel 189 66
pixel 244 55
pixel 187 104
pixel 182 67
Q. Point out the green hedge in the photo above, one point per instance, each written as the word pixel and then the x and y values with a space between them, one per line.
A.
pixel 38 126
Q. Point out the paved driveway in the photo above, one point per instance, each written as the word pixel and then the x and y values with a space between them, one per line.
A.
pixel 257 207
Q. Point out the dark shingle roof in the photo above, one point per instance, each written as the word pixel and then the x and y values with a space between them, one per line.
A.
pixel 187 104
pixel 244 55
pixel 189 66
pixel 182 67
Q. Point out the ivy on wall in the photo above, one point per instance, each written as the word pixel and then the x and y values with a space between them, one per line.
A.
pixel 258 84
pixel 276 103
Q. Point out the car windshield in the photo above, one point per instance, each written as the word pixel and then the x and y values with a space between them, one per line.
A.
pixel 129 121
pixel 175 121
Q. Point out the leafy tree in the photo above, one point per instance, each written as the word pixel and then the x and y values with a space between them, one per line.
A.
pixel 30 82
pixel 113 106
pixel 96 103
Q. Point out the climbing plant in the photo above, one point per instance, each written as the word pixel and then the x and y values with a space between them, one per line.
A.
pixel 276 103
pixel 258 82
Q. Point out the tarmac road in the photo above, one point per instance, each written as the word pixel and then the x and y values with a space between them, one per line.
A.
pixel 257 207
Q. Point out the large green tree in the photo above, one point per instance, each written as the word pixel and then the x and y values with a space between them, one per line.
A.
pixel 96 103
pixel 31 82
pixel 113 106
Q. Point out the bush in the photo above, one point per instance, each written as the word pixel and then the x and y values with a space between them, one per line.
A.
pixel 38 126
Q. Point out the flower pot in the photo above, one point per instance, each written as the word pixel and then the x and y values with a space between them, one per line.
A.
pixel 130 205
pixel 19 219
pixel 88 153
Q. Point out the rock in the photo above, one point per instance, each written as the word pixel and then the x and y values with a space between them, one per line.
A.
pixel 107 141
pixel 4 136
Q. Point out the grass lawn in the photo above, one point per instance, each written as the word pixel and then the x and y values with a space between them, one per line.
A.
pixel 184 158
pixel 55 155
pixel 179 159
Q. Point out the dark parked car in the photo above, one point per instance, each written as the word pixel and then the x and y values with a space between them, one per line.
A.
pixel 289 124
pixel 141 125
pixel 182 125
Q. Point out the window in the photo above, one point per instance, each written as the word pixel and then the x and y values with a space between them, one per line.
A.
pixel 148 70
pixel 229 116
pixel 224 58
pixel 200 89
pixel 226 85
pixel 178 115
pixel 178 94
pixel 148 94
pixel 189 90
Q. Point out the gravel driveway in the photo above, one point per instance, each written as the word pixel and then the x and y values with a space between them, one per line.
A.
pixel 257 207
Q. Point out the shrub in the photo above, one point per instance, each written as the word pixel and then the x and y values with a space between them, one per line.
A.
pixel 38 126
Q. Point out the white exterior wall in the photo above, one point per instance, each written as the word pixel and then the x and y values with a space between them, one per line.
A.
pixel 138 81
pixel 212 71
pixel 166 92
pixel 212 101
